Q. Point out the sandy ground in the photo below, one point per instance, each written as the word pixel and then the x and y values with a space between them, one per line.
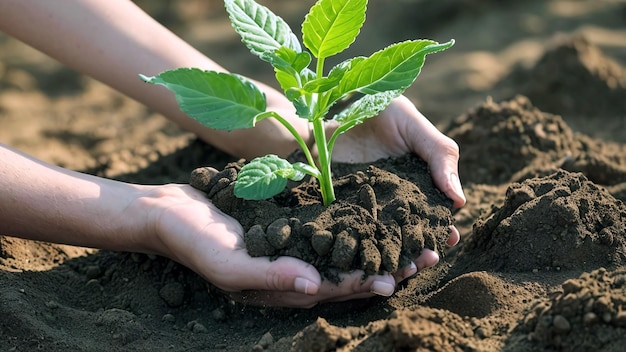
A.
pixel 542 263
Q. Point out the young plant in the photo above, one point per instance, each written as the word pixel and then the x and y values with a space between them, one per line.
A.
pixel 228 101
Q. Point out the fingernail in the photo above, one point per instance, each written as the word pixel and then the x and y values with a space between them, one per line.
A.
pixel 305 286
pixel 456 185
pixel 382 288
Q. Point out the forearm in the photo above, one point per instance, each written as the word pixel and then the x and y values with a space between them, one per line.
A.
pixel 47 203
pixel 114 41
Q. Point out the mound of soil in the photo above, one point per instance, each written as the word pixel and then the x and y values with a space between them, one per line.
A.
pixel 513 134
pixel 575 68
pixel 379 222
pixel 586 314
pixel 558 222
pixel 519 141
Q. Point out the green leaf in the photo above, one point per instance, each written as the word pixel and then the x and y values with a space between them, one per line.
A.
pixel 366 107
pixel 218 100
pixel 393 68
pixel 299 101
pixel 320 85
pixel 307 169
pixel 290 67
pixel 264 177
pixel 323 84
pixel 286 59
pixel 332 25
pixel 259 28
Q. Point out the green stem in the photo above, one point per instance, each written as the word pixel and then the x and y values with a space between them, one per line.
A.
pixel 319 133
pixel 326 182
pixel 319 70
pixel 293 131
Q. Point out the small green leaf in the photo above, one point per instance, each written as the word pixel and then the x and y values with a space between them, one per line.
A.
pixel 263 177
pixel 393 68
pixel 332 25
pixel 260 29
pixel 366 107
pixel 320 85
pixel 218 100
pixel 290 67
pixel 286 59
pixel 335 75
pixel 307 169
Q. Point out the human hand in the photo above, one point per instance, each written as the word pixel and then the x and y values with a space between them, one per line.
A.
pixel 402 129
pixel 189 229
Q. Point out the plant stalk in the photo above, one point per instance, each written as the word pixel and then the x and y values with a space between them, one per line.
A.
pixel 326 182
pixel 296 135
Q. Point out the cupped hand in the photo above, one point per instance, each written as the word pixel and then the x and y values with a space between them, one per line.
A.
pixel 402 129
pixel 192 231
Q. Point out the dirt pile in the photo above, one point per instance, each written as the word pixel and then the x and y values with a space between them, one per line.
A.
pixel 500 139
pixel 558 222
pixel 575 68
pixel 587 313
pixel 513 140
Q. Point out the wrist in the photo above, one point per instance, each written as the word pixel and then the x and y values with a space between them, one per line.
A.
pixel 144 216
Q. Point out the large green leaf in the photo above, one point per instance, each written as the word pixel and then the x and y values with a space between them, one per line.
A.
pixel 260 29
pixel 218 100
pixel 393 68
pixel 332 25
pixel 264 177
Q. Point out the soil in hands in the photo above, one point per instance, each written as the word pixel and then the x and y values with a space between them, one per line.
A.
pixel 385 214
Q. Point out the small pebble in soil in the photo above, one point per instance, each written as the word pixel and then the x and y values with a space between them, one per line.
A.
pixel 266 340
pixel 168 318
pixel 218 314
pixel 52 305
pixel 173 293
pixel 196 327
pixel 92 272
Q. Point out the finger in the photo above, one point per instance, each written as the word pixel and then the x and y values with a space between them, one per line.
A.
pixel 426 259
pixel 443 164
pixel 260 273
pixel 454 238
pixel 350 286
pixel 440 152
pixel 353 286
pixel 405 273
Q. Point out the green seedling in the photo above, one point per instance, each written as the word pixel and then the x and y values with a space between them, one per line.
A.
pixel 228 101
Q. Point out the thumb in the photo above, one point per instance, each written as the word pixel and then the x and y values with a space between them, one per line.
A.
pixel 286 274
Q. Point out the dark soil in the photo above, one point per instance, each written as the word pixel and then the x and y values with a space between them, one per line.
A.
pixel 533 93
pixel 379 222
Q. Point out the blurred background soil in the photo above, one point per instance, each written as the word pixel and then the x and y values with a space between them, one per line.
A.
pixel 530 88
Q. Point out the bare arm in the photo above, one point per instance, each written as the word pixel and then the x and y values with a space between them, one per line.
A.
pixel 44 202
pixel 114 41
